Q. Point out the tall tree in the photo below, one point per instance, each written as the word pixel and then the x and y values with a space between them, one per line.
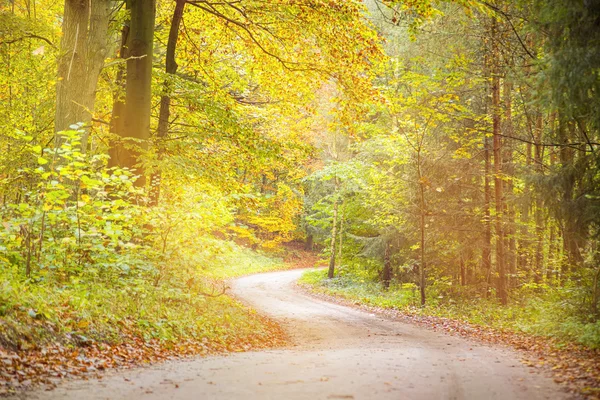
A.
pixel 331 270
pixel 135 129
pixel 497 152
pixel 164 113
pixel 84 47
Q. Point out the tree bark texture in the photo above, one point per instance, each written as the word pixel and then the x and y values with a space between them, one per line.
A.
pixel 331 271
pixel 539 216
pixel 84 47
pixel 422 214
pixel 164 114
pixel 135 127
pixel 487 237
pixel 509 207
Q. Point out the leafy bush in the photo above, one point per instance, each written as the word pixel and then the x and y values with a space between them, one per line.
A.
pixel 84 257
pixel 78 219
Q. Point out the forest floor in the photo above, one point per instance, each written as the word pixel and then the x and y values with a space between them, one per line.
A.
pixel 572 366
pixel 45 365
pixel 335 352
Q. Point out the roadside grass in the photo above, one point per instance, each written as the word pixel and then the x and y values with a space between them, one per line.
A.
pixel 233 261
pixel 548 313
pixel 176 303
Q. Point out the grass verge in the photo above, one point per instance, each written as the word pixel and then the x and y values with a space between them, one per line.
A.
pixel 532 312
pixel 50 330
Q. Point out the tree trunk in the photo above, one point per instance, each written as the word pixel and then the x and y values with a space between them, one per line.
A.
pixel 170 68
pixel 497 146
pixel 463 271
pixel 525 239
pixel 595 293
pixel 341 233
pixel 331 271
pixel 468 267
pixel 550 268
pixel 571 231
pixel 509 207
pixel 386 276
pixel 486 251
pixel 84 46
pixel 138 95
pixel 422 265
pixel 422 212
pixel 539 216
pixel 497 143
pixel 165 100
pixel 308 246
pixel 118 109
pixel 486 256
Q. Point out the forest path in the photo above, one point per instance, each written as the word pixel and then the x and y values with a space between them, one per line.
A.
pixel 337 353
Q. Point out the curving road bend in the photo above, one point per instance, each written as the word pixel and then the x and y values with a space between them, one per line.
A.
pixel 337 353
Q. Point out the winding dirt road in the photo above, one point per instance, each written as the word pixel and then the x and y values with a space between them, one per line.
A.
pixel 338 353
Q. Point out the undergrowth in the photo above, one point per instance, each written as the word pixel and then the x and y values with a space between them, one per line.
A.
pixel 549 312
pixel 179 306
pixel 83 257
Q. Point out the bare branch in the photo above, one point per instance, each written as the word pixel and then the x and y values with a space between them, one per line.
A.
pixel 29 36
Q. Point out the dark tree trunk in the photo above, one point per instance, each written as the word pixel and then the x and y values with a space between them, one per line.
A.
pixel 463 272
pixel 497 143
pixel 331 271
pixel 539 216
pixel 308 245
pixel 138 95
pixel 341 233
pixel 422 212
pixel 524 243
pixel 570 237
pixel 386 276
pixel 164 114
pixel 550 270
pixel 468 267
pixel 497 146
pixel 118 109
pixel 170 68
pixel 509 207
pixel 423 264
pixel 487 238
pixel 486 251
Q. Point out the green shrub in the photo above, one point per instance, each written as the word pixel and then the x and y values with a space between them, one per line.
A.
pixel 535 309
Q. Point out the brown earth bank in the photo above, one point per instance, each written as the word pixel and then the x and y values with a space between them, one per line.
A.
pixel 335 352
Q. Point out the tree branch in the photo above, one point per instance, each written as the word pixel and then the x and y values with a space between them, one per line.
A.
pixel 29 36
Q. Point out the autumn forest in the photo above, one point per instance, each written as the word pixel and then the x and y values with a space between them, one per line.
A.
pixel 438 160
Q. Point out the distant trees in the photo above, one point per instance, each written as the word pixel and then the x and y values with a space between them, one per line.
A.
pixel 475 158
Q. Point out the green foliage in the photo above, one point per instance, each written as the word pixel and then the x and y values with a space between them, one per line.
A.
pixel 35 313
pixel 552 312
pixel 479 166
pixel 75 219
pixel 571 59
pixel 82 256
pixel 284 113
